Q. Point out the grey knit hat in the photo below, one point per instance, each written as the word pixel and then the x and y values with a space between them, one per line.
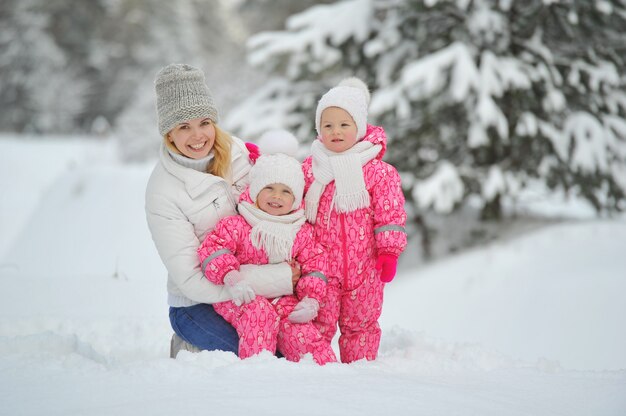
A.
pixel 182 94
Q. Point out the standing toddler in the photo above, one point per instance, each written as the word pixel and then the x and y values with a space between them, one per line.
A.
pixel 355 201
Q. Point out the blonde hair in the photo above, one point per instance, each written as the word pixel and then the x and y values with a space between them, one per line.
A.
pixel 221 163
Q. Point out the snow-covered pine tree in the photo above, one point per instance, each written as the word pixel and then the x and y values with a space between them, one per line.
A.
pixel 486 101
pixel 65 64
pixel 318 47
pixel 41 89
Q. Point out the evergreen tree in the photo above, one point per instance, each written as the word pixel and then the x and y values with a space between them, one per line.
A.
pixel 41 89
pixel 485 101
pixel 65 64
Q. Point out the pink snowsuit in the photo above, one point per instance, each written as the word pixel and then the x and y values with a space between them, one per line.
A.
pixel 262 324
pixel 353 240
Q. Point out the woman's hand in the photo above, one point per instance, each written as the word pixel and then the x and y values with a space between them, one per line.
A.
pixel 295 273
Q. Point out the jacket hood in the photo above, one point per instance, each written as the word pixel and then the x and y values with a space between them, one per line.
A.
pixel 245 196
pixel 376 135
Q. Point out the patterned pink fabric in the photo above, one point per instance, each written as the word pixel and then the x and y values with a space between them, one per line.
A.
pixel 227 247
pixel 353 241
pixel 296 340
pixel 257 325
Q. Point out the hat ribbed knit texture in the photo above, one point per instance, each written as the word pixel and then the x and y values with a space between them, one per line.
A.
pixel 277 165
pixel 182 95
pixel 351 95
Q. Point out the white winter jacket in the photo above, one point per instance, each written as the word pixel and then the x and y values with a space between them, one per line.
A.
pixel 182 206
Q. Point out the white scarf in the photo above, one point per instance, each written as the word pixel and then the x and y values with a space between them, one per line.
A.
pixel 274 234
pixel 346 168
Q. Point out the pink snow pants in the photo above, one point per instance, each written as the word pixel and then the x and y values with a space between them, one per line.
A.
pixel 264 326
pixel 295 340
pixel 256 324
pixel 357 312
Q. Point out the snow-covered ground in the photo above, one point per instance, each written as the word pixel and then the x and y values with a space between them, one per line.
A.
pixel 530 326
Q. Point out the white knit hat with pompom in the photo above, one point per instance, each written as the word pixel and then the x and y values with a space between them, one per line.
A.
pixel 351 95
pixel 277 164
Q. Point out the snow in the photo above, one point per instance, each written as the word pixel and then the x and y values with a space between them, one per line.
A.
pixel 604 6
pixel 604 74
pixel 487 25
pixel 528 326
pixel 317 30
pixel 425 77
pixel 537 199
pixel 440 191
pixel 270 105
pixel 480 86
pixel 427 72
pixel 590 144
pixel 495 183
pixel 552 293
pixel 43 170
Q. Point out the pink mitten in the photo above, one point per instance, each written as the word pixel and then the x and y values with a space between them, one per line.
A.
pixel 387 264
pixel 254 151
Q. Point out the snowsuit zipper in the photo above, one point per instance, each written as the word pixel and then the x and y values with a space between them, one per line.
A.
pixel 344 246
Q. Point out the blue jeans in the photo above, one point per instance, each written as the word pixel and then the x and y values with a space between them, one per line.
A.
pixel 202 327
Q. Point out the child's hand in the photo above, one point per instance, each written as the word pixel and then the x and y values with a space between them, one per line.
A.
pixel 305 311
pixel 240 291
pixel 387 264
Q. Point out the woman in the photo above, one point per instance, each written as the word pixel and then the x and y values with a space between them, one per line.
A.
pixel 197 181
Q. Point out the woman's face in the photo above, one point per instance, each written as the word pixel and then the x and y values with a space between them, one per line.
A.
pixel 337 129
pixel 275 199
pixel 193 138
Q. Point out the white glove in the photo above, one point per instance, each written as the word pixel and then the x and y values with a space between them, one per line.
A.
pixel 305 311
pixel 240 291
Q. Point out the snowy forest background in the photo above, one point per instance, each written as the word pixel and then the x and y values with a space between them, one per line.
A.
pixel 506 119
pixel 493 107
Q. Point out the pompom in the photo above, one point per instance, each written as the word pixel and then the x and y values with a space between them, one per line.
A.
pixel 277 164
pixel 355 82
pixel 278 141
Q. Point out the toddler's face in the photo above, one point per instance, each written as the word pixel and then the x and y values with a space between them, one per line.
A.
pixel 275 199
pixel 337 129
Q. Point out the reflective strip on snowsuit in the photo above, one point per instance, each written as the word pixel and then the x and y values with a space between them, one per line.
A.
pixel 228 246
pixel 353 241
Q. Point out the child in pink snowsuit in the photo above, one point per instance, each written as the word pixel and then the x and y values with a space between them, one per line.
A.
pixel 270 228
pixel 355 201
